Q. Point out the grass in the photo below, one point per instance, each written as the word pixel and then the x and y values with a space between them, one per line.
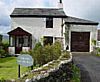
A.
pixel 9 68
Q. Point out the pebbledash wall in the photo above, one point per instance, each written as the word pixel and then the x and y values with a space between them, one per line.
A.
pixel 37 27
pixel 83 28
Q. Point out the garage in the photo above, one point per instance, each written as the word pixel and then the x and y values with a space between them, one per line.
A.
pixel 80 41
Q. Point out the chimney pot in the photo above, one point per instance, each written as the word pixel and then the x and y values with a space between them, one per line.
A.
pixel 60 1
pixel 60 5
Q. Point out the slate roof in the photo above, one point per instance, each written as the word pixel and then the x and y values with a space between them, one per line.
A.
pixel 49 12
pixel 37 12
pixel 74 20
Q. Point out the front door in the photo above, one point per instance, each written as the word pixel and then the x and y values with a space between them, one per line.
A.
pixel 19 44
pixel 18 50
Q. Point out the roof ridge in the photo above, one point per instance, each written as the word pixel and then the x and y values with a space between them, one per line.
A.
pixel 36 8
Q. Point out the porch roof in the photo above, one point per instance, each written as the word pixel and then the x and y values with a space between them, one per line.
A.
pixel 19 32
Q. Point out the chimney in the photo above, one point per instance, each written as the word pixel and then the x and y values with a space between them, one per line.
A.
pixel 60 5
pixel 60 1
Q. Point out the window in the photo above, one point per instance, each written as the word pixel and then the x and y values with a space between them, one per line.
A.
pixel 48 40
pixel 49 22
pixel 12 40
pixel 25 43
pixel 19 41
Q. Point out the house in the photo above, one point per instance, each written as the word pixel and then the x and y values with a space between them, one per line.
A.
pixel 46 25
pixel 81 34
pixel 98 38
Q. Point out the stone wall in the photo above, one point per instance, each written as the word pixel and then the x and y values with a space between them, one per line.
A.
pixel 63 74
pixel 55 71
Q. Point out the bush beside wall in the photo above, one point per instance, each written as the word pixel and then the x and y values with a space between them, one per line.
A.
pixel 44 54
pixel 63 74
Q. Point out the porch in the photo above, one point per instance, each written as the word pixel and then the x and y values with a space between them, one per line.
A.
pixel 19 40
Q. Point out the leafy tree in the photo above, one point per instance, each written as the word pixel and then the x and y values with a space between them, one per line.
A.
pixel 5 46
pixel 0 41
pixel 0 38
pixel 2 53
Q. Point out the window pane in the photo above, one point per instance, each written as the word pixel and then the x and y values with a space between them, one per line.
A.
pixel 12 41
pixel 49 22
pixel 25 41
pixel 48 40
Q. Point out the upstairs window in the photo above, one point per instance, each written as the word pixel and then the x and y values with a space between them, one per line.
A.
pixel 49 22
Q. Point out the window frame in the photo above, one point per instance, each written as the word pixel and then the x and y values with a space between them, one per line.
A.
pixel 48 40
pixel 49 22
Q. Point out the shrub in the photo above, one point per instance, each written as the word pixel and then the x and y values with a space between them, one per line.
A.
pixel 97 51
pixel 2 52
pixel 65 54
pixel 56 49
pixel 37 54
pixel 24 52
pixel 76 74
pixel 44 54
pixel 94 42
pixel 5 46
pixel 47 53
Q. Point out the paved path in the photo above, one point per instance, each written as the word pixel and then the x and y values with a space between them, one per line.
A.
pixel 89 66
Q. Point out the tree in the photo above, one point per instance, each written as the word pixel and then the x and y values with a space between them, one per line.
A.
pixel 0 41
pixel 0 38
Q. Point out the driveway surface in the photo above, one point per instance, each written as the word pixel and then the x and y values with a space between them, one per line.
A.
pixel 89 66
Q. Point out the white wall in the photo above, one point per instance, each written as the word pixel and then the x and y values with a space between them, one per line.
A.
pixel 37 27
pixel 25 49
pixel 84 28
pixel 11 50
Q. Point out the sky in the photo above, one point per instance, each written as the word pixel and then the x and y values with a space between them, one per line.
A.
pixel 86 9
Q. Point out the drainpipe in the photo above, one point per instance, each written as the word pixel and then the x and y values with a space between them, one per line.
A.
pixel 62 27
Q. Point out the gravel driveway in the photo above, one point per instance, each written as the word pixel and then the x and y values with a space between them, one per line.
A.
pixel 89 66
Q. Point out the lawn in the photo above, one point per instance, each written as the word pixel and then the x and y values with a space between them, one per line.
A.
pixel 9 68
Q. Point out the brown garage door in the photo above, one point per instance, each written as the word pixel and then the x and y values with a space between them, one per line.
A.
pixel 80 41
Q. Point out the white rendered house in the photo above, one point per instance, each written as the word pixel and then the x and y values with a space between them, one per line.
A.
pixel 31 25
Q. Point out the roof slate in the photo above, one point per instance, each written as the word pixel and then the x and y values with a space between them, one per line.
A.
pixel 38 12
pixel 74 20
pixel 49 12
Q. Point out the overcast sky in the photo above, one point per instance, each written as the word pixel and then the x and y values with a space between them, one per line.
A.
pixel 86 9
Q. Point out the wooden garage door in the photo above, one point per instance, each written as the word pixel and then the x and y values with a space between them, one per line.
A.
pixel 80 41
